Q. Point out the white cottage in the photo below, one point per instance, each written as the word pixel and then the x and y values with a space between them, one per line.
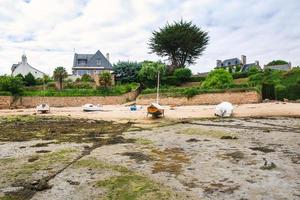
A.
pixel 24 68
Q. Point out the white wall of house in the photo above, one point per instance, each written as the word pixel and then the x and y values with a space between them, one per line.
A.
pixel 24 68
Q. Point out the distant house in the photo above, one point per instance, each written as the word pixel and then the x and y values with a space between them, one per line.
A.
pixel 284 67
pixel 91 64
pixel 234 62
pixel 24 68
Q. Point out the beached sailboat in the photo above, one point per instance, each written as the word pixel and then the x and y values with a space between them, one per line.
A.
pixel 224 109
pixel 155 109
pixel 91 108
pixel 43 108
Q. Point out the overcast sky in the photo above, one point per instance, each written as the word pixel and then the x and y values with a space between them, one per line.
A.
pixel 48 31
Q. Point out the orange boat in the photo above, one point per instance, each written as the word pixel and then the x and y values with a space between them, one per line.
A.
pixel 155 110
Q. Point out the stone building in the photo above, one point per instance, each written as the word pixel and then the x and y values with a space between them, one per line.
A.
pixel 285 67
pixel 233 62
pixel 91 64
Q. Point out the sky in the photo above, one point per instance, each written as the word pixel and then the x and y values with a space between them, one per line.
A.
pixel 50 31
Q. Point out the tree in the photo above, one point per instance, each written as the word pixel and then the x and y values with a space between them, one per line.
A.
pixel 183 74
pixel 86 78
pixel 218 78
pixel 14 85
pixel 126 71
pixel 29 80
pixel 181 42
pixel 277 62
pixel 148 73
pixel 59 75
pixel 105 79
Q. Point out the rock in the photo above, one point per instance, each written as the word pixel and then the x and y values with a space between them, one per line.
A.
pixel 228 137
pixel 73 182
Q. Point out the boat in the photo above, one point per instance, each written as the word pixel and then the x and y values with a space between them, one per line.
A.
pixel 91 108
pixel 155 109
pixel 224 109
pixel 43 108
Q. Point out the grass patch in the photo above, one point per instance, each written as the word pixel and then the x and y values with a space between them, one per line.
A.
pixel 128 185
pixel 143 141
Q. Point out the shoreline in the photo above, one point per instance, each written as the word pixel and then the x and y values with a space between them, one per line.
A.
pixel 121 112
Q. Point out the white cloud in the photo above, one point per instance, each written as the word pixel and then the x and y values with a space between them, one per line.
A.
pixel 49 30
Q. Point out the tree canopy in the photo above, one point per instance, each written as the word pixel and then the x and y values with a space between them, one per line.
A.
pixel 277 62
pixel 181 42
pixel 14 85
pixel 126 71
pixel 105 79
pixel 29 80
pixel 148 73
pixel 59 75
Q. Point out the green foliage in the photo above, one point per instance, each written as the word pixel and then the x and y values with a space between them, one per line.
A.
pixel 13 85
pixel 192 91
pixel 86 78
pixel 196 79
pixel 237 75
pixel 183 74
pixel 253 70
pixel 280 92
pixel 256 79
pixel 170 80
pixel 182 42
pixel 218 78
pixel 29 80
pixel 59 75
pixel 126 71
pixel 277 62
pixel 78 85
pixel 109 91
pixel 105 79
pixel 149 71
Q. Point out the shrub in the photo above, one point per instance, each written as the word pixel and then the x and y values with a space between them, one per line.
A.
pixel 280 92
pixel 105 79
pixel 14 85
pixel 190 92
pixel 218 78
pixel 170 80
pixel 196 79
pixel 29 80
pixel 86 78
pixel 237 75
pixel 183 74
pixel 148 73
pixel 78 85
pixel 127 72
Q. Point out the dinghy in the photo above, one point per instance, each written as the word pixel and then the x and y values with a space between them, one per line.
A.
pixel 155 109
pixel 43 108
pixel 91 108
pixel 224 109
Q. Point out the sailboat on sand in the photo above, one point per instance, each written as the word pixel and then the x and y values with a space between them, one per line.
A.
pixel 155 109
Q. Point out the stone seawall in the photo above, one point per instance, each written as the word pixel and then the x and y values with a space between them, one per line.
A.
pixel 203 99
pixel 30 102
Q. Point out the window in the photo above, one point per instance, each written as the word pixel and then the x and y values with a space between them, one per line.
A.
pixel 81 61
pixel 98 62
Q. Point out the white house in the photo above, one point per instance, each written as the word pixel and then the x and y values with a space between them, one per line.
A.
pixel 24 68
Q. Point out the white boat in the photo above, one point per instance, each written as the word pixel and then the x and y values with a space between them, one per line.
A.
pixel 91 108
pixel 43 108
pixel 224 109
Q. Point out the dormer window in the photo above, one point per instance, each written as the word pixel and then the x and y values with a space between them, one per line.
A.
pixel 81 61
pixel 98 62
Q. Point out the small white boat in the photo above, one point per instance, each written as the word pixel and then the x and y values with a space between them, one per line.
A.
pixel 224 109
pixel 43 108
pixel 91 108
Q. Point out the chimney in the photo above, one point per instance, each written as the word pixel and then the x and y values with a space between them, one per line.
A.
pixel 257 63
pixel 107 56
pixel 24 59
pixel 243 59
pixel 219 63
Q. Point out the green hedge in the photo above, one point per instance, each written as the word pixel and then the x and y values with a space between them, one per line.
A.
pixel 192 91
pixel 196 79
pixel 5 93
pixel 112 91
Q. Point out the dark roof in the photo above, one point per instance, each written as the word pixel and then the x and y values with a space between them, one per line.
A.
pixel 92 60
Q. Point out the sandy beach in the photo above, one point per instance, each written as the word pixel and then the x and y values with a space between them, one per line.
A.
pixel 121 112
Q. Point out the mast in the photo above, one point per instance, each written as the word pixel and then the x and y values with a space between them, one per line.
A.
pixel 157 92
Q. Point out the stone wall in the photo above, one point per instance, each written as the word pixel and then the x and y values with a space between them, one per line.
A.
pixel 30 102
pixel 202 99
pixel 5 101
